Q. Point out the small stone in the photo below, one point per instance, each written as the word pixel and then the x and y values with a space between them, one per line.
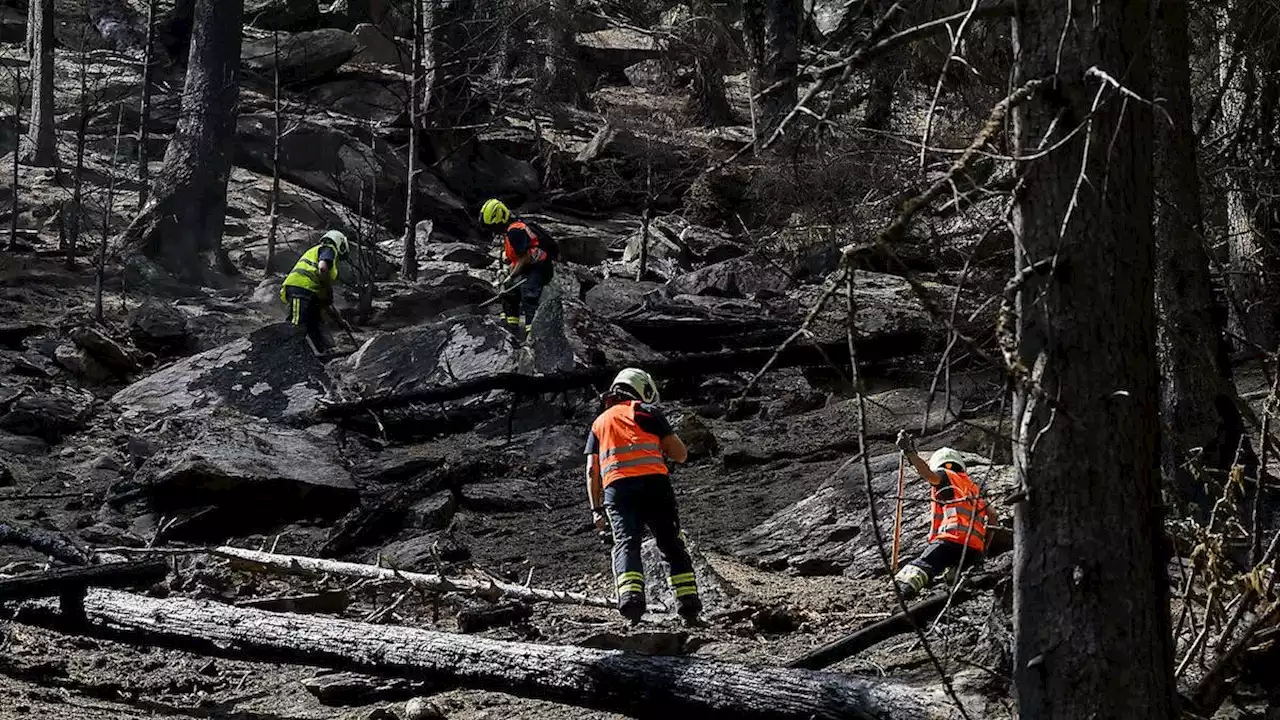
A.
pixel 380 714
pixel 422 709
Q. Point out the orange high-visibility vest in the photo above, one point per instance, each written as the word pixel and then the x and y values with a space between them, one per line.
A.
pixel 953 519
pixel 625 449
pixel 506 241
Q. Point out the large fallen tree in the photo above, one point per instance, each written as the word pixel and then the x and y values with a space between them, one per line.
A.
pixel 610 680
pixel 487 588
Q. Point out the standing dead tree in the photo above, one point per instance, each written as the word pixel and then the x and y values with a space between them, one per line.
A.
pixel 41 142
pixel 771 33
pixel 183 222
pixel 144 107
pixel 417 75
pixel 1086 413
pixel 1198 403
pixel 19 100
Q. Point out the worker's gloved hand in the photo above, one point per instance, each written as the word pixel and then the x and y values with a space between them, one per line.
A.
pixel 600 519
pixel 905 442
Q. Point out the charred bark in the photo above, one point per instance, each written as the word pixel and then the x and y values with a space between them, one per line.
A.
pixel 144 108
pixel 771 34
pixel 409 262
pixel 57 582
pixel 1198 404
pixel 708 103
pixel 610 680
pixel 560 64
pixel 52 544
pixel 41 145
pixel 182 226
pixel 1088 531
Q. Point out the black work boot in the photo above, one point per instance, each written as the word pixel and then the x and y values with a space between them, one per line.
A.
pixel 689 607
pixel 631 605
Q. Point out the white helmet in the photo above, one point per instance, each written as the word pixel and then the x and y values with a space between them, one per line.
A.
pixel 638 383
pixel 944 455
pixel 337 241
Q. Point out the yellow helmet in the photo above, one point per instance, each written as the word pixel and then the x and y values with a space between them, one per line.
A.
pixel 945 455
pixel 494 212
pixel 638 383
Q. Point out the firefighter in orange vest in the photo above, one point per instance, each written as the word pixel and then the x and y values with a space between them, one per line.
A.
pixel 958 529
pixel 628 480
pixel 530 252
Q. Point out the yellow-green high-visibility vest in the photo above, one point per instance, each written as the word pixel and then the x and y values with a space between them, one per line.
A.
pixel 306 274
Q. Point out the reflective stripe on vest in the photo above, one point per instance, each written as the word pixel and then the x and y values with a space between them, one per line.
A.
pixel 510 252
pixel 306 273
pixel 963 519
pixel 625 449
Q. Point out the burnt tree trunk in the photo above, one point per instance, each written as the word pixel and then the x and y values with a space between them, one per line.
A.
pixel 771 34
pixel 708 103
pixel 409 262
pixel 144 110
pixel 74 219
pixel 183 222
pixel 608 680
pixel 273 228
pixel 41 145
pixel 560 65
pixel 19 99
pixel 1197 397
pixel 1090 585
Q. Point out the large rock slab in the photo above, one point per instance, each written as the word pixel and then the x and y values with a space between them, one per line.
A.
pixel 746 277
pixel 447 358
pixel 281 14
pixel 830 532
pixel 251 474
pixel 337 165
pixel 361 98
pixel 429 300
pixel 834 428
pixel 567 338
pixel 269 373
pixel 612 51
pixel 159 328
pixel 478 171
pixel 303 56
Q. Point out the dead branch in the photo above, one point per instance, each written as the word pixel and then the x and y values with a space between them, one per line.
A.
pixel 489 588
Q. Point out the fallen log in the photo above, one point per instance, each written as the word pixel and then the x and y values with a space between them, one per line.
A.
pixel 52 544
pixel 57 582
pixel 869 635
pixel 489 589
pixel 608 680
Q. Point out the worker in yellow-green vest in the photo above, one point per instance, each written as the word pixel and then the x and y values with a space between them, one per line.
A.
pixel 308 290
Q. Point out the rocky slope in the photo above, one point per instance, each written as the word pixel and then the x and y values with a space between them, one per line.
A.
pixel 192 416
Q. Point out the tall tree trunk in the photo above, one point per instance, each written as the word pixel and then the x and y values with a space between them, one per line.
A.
pixel 1197 397
pixel 409 263
pixel 708 103
pixel 1255 293
pixel 101 263
pixel 1090 585
pixel 561 80
pixel 19 99
pixel 144 111
pixel 41 146
pixel 185 220
pixel 273 229
pixel 771 33
pixel 76 219
pixel 499 14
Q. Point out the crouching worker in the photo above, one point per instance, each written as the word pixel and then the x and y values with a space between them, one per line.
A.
pixel 530 253
pixel 307 291
pixel 627 479
pixel 958 532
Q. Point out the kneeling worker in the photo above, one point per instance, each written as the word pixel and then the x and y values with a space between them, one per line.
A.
pixel 308 289
pixel 530 252
pixel 958 530
pixel 627 478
